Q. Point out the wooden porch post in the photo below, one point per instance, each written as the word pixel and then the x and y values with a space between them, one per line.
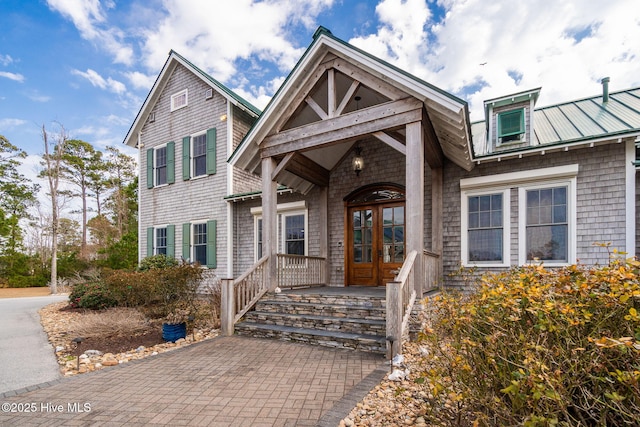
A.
pixel 227 311
pixel 324 231
pixel 270 221
pixel 414 221
pixel 436 216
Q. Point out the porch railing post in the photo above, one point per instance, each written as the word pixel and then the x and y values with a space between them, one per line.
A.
pixel 227 308
pixel 394 318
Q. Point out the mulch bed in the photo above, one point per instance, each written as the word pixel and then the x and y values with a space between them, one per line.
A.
pixel 119 344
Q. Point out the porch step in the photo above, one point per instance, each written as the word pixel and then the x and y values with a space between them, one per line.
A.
pixel 328 317
pixel 334 339
pixel 368 326
pixel 342 310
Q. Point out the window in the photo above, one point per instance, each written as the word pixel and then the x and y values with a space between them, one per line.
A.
pixel 485 227
pixel 511 126
pixel 546 215
pixel 199 154
pixel 160 166
pixel 161 241
pixel 199 243
pixel 547 226
pixel 292 226
pixel 179 100
pixel 199 147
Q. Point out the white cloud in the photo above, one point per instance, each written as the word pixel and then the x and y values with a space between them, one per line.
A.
pixel 140 80
pixel 565 47
pixel 98 81
pixel 251 32
pixel 90 19
pixel 12 76
pixel 5 59
pixel 34 95
pixel 11 123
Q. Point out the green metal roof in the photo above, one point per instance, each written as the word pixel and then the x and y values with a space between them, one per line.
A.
pixel 575 121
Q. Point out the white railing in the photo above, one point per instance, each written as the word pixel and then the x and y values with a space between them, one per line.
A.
pixel 298 271
pixel 241 294
pixel 401 296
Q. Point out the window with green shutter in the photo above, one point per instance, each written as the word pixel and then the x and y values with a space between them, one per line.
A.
pixel 212 259
pixel 211 151
pixel 186 241
pixel 186 158
pixel 511 125
pixel 171 163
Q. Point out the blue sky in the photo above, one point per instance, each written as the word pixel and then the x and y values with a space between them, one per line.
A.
pixel 89 64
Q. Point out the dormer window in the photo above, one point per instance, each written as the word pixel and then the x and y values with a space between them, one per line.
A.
pixel 511 126
pixel 179 100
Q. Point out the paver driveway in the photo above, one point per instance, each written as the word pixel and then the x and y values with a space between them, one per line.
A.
pixel 226 381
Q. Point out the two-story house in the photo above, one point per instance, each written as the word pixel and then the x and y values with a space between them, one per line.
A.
pixel 185 131
pixel 359 174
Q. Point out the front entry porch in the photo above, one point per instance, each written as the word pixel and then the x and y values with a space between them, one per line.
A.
pixel 302 308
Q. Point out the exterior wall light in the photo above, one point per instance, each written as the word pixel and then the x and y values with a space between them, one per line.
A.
pixel 358 163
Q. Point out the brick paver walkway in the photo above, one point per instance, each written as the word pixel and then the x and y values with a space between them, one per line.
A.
pixel 227 381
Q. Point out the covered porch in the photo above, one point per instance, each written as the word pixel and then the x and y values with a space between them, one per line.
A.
pixel 337 101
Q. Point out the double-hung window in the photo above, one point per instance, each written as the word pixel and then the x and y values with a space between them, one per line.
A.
pixel 160 166
pixel 292 229
pixel 161 241
pixel 199 243
pixel 485 224
pixel 546 226
pixel 546 215
pixel 199 154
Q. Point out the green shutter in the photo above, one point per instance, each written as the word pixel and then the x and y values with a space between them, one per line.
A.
pixel 171 241
pixel 150 239
pixel 511 123
pixel 186 241
pixel 186 158
pixel 171 162
pixel 150 168
pixel 212 259
pixel 211 151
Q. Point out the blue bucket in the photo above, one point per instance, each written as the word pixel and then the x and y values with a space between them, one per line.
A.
pixel 172 332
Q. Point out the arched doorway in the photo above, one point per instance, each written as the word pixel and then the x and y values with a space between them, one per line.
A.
pixel 375 237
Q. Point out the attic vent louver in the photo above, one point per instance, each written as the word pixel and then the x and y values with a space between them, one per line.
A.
pixel 152 117
pixel 208 94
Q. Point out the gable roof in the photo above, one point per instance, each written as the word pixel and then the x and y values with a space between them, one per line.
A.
pixel 448 113
pixel 573 123
pixel 172 61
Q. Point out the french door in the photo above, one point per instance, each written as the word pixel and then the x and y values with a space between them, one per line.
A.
pixel 375 243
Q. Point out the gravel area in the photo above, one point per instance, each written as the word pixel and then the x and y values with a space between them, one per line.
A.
pixel 58 323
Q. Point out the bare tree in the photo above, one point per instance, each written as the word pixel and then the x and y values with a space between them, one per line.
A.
pixel 52 161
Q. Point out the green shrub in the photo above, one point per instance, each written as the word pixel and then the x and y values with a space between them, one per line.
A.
pixel 94 295
pixel 160 291
pixel 159 261
pixel 537 347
